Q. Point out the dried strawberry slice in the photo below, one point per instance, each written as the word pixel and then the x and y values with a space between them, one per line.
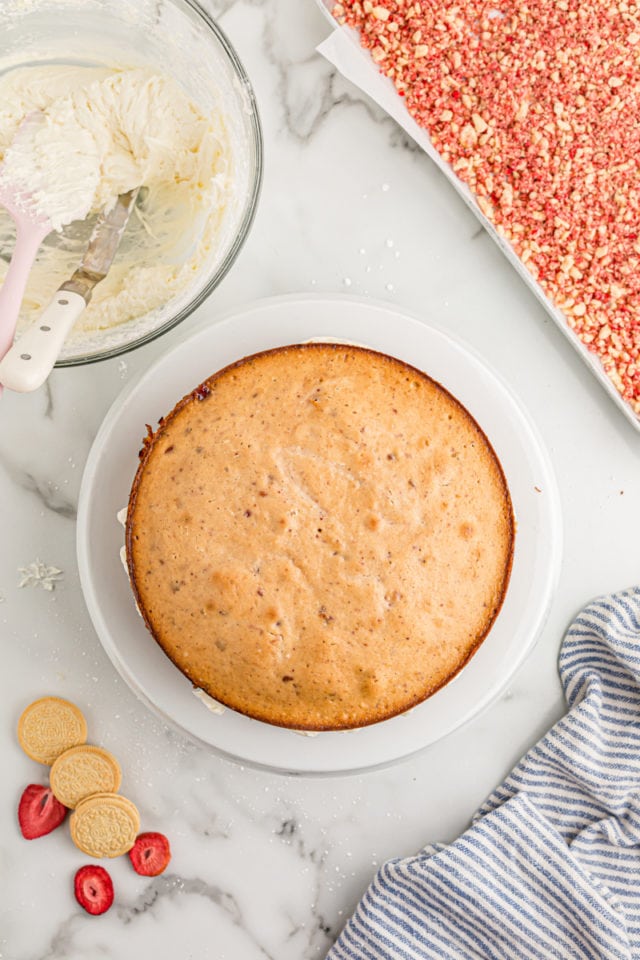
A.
pixel 150 854
pixel 93 888
pixel 39 812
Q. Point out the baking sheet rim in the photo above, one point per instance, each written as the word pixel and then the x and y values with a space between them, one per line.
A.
pixel 590 359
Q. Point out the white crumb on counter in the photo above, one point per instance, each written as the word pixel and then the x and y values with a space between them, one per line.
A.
pixel 39 574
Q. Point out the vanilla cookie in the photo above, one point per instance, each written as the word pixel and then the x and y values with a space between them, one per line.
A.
pixel 83 771
pixel 105 825
pixel 50 726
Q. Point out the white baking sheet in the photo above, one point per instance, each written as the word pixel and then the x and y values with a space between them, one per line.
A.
pixel 343 49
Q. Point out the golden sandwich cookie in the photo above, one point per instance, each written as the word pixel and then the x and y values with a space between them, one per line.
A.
pixel 48 727
pixel 82 771
pixel 105 825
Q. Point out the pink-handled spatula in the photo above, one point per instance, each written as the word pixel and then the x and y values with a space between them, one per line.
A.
pixel 31 229
pixel 41 190
pixel 32 226
pixel 28 363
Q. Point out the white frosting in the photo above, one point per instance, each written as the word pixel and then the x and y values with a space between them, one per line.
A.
pixel 209 702
pixel 121 517
pixel 115 129
pixel 51 168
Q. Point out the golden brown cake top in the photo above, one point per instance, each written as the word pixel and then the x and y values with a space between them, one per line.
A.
pixel 319 536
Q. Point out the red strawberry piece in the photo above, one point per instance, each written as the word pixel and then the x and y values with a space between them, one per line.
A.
pixel 150 854
pixel 39 812
pixel 93 889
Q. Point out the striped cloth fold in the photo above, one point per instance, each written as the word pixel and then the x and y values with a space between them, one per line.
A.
pixel 550 867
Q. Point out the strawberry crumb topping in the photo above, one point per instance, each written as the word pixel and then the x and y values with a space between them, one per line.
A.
pixel 534 105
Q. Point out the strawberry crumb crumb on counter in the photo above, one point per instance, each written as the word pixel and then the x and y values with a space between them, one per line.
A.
pixel 534 103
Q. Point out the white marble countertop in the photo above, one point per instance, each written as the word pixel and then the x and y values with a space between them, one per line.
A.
pixel 266 866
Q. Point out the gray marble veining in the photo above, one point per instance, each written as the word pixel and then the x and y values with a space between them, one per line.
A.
pixel 266 866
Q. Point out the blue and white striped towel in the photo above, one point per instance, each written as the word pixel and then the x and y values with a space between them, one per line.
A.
pixel 550 866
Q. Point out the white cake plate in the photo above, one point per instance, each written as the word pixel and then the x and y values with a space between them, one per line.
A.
pixel 112 464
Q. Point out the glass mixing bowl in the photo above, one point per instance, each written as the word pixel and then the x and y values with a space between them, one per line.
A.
pixel 174 37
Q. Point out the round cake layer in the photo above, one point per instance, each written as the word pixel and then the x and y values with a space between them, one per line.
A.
pixel 319 536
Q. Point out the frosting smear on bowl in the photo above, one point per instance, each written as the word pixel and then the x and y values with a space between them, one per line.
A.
pixel 132 127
